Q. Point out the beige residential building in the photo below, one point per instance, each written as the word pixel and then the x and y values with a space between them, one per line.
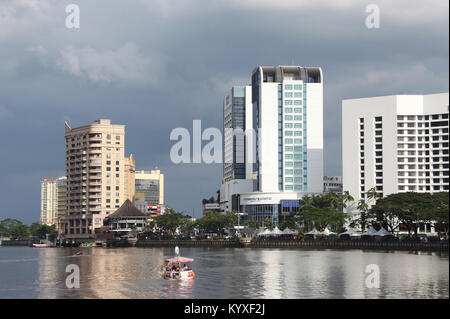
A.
pixel 130 167
pixel 98 175
pixel 61 190
pixel 49 201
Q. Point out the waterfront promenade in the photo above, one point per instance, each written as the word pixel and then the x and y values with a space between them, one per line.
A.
pixel 311 244
pixel 441 246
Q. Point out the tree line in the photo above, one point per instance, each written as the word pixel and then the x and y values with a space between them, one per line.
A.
pixel 15 229
pixel 408 210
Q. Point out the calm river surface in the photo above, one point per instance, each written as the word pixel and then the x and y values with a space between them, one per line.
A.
pixel 222 273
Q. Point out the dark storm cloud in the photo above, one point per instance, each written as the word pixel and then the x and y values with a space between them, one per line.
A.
pixel 158 65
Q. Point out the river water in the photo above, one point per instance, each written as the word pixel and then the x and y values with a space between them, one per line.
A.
pixel 223 273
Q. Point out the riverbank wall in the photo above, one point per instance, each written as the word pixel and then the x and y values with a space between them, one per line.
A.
pixel 312 244
pixel 15 243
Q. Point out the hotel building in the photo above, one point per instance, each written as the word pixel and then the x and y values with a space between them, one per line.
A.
pixel 395 143
pixel 287 118
pixel 98 176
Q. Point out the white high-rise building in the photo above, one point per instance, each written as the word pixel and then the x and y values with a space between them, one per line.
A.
pixel 287 118
pixel 288 110
pixel 49 201
pixel 395 143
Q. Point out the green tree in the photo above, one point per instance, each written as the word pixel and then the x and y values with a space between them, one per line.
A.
pixel 440 212
pixel 7 225
pixel 41 231
pixel 268 223
pixel 20 231
pixel 214 222
pixel 409 209
pixel 363 219
pixel 252 222
pixel 170 221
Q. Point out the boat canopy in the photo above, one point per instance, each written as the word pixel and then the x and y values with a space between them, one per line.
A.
pixel 179 260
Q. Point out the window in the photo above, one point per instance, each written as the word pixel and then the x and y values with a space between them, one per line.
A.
pixel 288 94
pixel 288 86
pixel 288 117
pixel 297 102
pixel 297 95
pixel 287 102
pixel 288 110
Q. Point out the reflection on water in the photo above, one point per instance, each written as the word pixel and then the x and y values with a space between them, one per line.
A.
pixel 222 273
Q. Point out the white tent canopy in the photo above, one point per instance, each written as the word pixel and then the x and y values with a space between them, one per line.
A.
pixel 265 232
pixel 383 232
pixel 288 231
pixel 314 232
pixel 370 232
pixel 350 231
pixel 276 231
pixel 327 232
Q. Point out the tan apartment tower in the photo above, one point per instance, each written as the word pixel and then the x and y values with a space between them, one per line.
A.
pixel 98 175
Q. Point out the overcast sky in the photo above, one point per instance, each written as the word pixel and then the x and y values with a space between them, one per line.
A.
pixel 157 65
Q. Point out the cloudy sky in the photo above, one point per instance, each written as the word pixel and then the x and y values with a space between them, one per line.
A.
pixel 157 65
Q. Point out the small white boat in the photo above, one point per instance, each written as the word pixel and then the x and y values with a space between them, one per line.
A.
pixel 41 245
pixel 178 267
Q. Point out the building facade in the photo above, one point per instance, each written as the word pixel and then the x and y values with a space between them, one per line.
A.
pixel 61 185
pixel 395 144
pixel 286 161
pixel 49 201
pixel 97 176
pixel 237 119
pixel 288 114
pixel 149 187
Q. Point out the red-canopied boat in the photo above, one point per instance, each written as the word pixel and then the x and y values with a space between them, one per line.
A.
pixel 178 268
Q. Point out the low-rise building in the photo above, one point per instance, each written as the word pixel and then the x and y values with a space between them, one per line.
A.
pixel 126 219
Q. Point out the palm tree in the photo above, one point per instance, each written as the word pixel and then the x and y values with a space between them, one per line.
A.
pixel 346 198
pixel 372 194
pixel 363 209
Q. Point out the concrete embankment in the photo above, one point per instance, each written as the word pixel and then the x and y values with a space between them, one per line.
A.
pixel 313 244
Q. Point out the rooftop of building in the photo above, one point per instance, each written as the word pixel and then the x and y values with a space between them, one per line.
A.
pixel 126 210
